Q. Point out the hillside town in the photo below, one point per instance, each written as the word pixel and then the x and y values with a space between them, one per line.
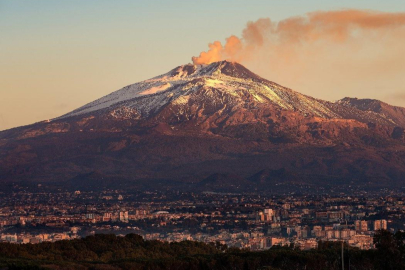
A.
pixel 251 221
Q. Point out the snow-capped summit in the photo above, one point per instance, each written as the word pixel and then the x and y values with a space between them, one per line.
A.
pixel 189 90
pixel 184 82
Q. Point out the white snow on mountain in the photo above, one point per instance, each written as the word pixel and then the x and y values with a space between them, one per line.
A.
pixel 222 83
pixel 177 85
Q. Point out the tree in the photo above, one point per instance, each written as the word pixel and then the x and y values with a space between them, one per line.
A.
pixel 388 255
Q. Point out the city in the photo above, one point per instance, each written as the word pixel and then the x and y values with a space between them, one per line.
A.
pixel 254 222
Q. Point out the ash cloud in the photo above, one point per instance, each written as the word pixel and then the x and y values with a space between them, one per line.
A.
pixel 331 26
pixel 325 54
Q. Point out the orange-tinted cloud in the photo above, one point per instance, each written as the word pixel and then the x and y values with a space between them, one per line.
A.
pixel 335 26
pixel 327 55
pixel 214 54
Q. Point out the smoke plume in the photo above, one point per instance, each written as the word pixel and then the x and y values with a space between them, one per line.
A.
pixel 316 52
pixel 336 26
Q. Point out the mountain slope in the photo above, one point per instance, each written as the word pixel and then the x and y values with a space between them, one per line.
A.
pixel 198 121
pixel 220 82
pixel 393 114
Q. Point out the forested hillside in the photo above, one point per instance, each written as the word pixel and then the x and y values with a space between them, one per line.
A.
pixel 132 252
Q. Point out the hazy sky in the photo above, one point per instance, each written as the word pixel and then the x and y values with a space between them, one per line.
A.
pixel 58 55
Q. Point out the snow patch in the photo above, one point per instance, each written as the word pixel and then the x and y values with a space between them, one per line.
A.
pixel 155 89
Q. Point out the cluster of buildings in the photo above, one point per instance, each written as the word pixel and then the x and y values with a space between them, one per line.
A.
pixel 25 238
pixel 249 221
pixel 304 237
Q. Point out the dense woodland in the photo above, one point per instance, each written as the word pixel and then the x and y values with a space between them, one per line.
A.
pixel 132 252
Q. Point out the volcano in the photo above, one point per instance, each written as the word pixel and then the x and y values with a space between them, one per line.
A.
pixel 216 127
